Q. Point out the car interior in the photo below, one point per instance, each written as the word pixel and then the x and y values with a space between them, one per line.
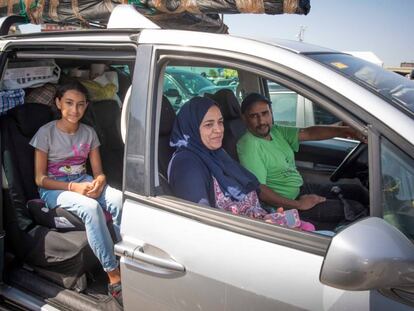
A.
pixel 47 252
pixel 319 162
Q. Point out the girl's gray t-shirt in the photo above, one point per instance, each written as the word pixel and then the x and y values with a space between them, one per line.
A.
pixel 66 153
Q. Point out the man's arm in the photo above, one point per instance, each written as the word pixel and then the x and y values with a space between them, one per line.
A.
pixel 322 132
pixel 304 202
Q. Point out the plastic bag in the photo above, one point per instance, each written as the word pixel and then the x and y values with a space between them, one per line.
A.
pixel 30 74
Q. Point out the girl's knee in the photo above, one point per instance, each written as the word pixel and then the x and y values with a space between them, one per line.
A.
pixel 114 197
pixel 91 208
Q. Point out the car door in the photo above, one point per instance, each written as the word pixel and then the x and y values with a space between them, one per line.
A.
pixel 176 255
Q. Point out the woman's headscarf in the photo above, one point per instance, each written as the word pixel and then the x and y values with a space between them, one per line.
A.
pixel 234 180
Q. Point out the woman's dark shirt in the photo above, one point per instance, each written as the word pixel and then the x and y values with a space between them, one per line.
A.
pixel 190 179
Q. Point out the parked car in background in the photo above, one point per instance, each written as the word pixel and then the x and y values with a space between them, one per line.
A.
pixel 225 82
pixel 180 85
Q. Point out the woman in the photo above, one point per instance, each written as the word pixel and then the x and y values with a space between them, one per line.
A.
pixel 202 172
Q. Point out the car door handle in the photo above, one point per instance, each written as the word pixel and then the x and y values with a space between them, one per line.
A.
pixel 148 254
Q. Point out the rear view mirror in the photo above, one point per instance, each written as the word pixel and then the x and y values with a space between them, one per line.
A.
pixel 370 254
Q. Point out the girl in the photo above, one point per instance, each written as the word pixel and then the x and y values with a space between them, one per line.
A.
pixel 62 148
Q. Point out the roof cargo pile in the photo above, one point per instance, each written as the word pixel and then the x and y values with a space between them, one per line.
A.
pixel 202 15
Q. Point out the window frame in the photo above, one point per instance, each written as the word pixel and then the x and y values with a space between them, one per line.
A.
pixel 310 88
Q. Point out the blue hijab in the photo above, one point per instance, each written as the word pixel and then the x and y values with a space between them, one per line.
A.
pixel 234 180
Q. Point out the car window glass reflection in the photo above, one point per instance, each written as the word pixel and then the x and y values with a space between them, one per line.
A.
pixel 398 188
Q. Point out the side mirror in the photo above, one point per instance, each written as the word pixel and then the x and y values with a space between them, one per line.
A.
pixel 370 254
pixel 172 93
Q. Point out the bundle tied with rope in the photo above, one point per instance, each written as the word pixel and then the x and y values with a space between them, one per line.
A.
pixel 174 14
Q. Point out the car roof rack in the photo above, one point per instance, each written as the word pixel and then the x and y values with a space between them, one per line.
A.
pixel 125 16
pixel 8 21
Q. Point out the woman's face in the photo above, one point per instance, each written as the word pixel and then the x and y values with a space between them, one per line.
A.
pixel 212 128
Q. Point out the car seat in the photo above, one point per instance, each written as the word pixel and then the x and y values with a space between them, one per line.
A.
pixel 234 127
pixel 62 257
pixel 104 117
pixel 107 124
pixel 165 151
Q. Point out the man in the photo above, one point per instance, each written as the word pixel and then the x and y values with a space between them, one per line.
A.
pixel 267 150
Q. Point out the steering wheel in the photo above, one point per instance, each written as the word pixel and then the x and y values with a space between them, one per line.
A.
pixel 349 160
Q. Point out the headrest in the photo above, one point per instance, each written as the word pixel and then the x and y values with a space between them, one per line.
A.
pixel 228 103
pixel 106 111
pixel 167 117
pixel 42 95
pixel 30 117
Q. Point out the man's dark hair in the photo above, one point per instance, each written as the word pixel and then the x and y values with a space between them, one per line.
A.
pixel 251 99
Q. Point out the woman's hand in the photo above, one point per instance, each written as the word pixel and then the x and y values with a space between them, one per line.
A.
pixel 97 187
pixel 82 187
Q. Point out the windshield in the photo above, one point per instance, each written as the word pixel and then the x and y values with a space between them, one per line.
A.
pixel 394 87
pixel 192 82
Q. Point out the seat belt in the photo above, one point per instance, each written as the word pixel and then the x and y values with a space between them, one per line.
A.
pixel 2 233
pixel 1 188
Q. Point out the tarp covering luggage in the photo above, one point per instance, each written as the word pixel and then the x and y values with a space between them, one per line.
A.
pixel 202 15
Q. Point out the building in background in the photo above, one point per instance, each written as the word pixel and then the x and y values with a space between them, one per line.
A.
pixel 405 69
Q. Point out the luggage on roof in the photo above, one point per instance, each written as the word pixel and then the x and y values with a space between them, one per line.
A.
pixel 201 15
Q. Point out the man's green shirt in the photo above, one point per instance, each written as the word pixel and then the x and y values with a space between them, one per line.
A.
pixel 273 161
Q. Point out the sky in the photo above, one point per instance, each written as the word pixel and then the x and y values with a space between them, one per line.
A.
pixel 385 27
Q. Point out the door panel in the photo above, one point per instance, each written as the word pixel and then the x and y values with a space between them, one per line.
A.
pixel 224 270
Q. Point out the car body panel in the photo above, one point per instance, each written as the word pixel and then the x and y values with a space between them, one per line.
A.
pixel 224 270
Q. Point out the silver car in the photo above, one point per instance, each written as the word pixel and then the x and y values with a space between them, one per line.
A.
pixel 177 255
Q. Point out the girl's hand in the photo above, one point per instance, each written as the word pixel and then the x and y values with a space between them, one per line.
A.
pixel 97 187
pixel 82 187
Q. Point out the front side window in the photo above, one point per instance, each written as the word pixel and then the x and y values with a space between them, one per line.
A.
pixel 397 172
pixel 291 109
pixel 284 104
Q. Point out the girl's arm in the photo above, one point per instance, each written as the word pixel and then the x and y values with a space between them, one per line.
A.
pixel 42 180
pixel 98 175
pixel 96 164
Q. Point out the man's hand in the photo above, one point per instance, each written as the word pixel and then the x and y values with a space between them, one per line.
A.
pixel 82 187
pixel 354 134
pixel 97 187
pixel 307 201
